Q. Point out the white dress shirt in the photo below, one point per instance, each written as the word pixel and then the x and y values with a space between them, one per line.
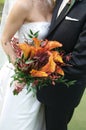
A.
pixel 64 2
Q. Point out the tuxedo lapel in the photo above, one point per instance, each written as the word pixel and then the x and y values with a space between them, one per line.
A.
pixel 58 3
pixel 56 21
pixel 71 3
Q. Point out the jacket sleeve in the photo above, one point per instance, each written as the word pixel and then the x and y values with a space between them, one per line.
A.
pixel 78 58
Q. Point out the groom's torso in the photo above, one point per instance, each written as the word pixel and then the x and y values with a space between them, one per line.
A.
pixel 67 27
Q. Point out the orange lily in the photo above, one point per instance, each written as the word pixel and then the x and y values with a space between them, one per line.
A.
pixel 50 66
pixel 59 70
pixel 37 42
pixel 57 57
pixel 53 44
pixel 26 48
pixel 36 73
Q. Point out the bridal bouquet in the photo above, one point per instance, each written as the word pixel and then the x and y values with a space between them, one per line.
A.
pixel 38 63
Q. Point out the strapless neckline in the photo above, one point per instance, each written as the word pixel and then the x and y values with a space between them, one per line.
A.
pixel 39 22
pixel 42 27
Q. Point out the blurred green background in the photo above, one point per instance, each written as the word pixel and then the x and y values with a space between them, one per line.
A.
pixel 1 7
pixel 1 1
pixel 78 121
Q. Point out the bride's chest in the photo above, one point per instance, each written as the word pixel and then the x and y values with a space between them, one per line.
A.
pixel 39 13
pixel 41 27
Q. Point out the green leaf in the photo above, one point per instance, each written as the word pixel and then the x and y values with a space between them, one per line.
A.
pixel 9 58
pixel 31 32
pixel 69 83
pixel 36 34
pixel 29 61
pixel 22 56
pixel 15 92
pixel 30 36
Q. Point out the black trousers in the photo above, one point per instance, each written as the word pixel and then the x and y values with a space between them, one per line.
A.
pixel 57 119
pixel 60 102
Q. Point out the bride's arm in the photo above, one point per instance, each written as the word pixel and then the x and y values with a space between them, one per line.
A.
pixel 14 21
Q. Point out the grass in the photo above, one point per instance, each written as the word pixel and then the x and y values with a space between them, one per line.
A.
pixel 78 121
pixel 1 1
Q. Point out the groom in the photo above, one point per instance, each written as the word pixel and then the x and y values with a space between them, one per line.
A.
pixel 68 26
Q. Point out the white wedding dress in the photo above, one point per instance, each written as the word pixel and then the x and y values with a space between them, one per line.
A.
pixel 24 111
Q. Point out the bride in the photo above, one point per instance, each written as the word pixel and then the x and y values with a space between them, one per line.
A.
pixel 22 112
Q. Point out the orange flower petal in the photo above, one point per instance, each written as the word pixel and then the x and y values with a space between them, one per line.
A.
pixel 36 73
pixel 26 48
pixel 37 42
pixel 33 51
pixel 53 44
pixel 50 66
pixel 57 57
pixel 59 70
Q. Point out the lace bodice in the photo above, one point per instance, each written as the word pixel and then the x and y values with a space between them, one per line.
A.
pixel 42 27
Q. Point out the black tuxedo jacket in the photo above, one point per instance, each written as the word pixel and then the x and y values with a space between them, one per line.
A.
pixel 69 29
